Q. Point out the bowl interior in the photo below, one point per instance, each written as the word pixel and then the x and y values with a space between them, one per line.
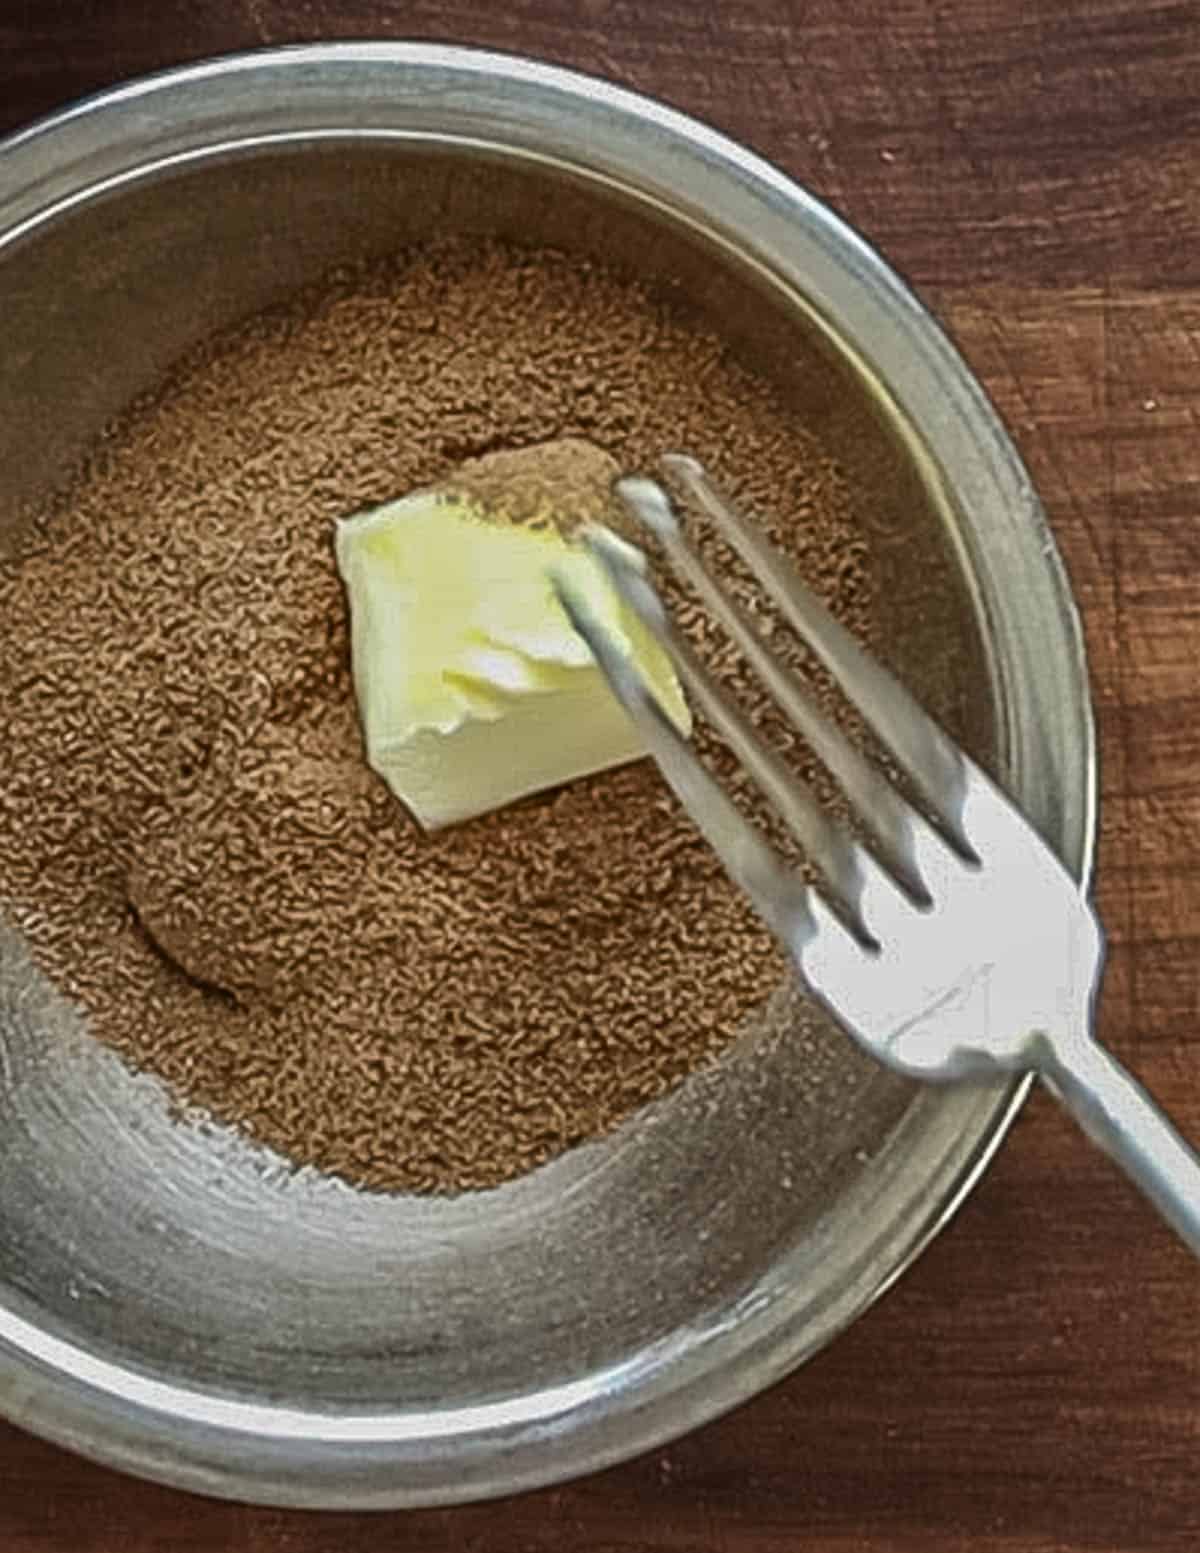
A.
pixel 183 1257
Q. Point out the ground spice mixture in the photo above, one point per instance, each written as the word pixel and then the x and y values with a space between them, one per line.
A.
pixel 192 844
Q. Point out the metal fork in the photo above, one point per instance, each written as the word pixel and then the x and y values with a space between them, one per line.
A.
pixel 953 949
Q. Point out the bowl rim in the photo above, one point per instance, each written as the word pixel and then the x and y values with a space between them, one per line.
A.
pixel 518 106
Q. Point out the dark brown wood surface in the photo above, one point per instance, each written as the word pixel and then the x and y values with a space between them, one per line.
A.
pixel 1033 166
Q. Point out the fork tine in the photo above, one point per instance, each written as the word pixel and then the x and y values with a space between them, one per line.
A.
pixel 897 827
pixel 835 853
pixel 935 765
pixel 779 895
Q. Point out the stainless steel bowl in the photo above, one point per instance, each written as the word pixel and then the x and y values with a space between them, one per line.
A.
pixel 172 1301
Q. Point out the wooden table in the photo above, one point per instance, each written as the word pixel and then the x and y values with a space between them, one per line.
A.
pixel 1034 169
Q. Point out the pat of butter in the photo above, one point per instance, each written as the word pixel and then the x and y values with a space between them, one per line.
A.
pixel 473 688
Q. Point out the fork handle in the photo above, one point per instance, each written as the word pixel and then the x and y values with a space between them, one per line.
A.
pixel 1117 1113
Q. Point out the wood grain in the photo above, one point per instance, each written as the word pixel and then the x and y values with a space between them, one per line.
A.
pixel 1033 1386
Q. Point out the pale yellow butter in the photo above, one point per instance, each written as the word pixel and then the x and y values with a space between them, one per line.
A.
pixel 473 688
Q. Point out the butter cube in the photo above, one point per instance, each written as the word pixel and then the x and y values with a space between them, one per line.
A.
pixel 473 689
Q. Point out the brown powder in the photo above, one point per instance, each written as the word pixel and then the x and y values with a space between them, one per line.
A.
pixel 192 844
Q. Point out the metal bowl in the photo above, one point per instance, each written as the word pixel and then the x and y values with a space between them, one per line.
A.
pixel 175 1302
